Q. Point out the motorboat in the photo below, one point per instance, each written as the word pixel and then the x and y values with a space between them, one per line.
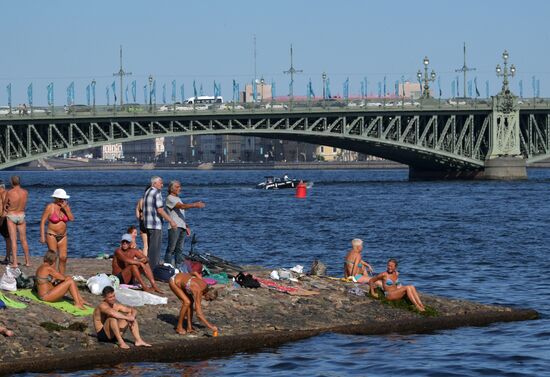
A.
pixel 275 183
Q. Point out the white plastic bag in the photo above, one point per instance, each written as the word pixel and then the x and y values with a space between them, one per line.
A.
pixel 7 281
pixel 97 283
pixel 131 297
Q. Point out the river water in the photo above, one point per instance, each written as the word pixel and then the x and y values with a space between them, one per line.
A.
pixel 483 241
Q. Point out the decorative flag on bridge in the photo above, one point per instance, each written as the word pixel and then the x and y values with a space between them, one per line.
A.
pixel 538 88
pixel 396 91
pixel 235 92
pixel 134 90
pixel 93 92
pixel 113 85
pixel 520 88
pixel 403 86
pixel 458 88
pixel 87 95
pixel 475 84
pixel 8 88
pixel 107 94
pixel 70 94
pixel 174 91
pixel 201 91
pixel 362 89
pixel 379 89
pixel 126 94
pixel 439 85
pixel 470 90
pixel 272 90
pixel 346 89
pixel 310 93
pixel 254 94
pixel 182 92
pixel 164 94
pixel 366 87
pixel 154 91
pixel 217 89
pixel 50 93
pixel 487 88
pixel 29 94
pixel 385 87
pixel 194 89
pixel 328 89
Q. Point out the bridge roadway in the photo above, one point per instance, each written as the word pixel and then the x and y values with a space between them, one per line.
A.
pixel 427 136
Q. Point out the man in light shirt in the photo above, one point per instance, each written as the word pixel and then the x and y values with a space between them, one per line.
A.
pixel 176 234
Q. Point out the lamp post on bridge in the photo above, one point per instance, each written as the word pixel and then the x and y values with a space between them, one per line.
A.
pixel 504 73
pixel 150 93
pixel 427 78
pixel 324 76
pixel 262 82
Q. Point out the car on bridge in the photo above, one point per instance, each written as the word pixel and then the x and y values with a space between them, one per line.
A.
pixel 73 109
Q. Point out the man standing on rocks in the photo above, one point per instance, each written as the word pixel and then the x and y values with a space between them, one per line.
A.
pixel 16 199
pixel 111 320
pixel 153 212
pixel 176 235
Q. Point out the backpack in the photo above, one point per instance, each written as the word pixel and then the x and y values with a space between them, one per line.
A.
pixel 164 272
pixel 23 281
pixel 247 281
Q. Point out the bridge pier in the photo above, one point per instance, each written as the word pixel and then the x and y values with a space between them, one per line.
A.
pixel 500 168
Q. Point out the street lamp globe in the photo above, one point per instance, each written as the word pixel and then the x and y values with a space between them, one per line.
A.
pixel 324 76
pixel 513 69
pixel 419 74
pixel 426 61
pixel 150 79
pixel 433 75
pixel 498 69
pixel 505 55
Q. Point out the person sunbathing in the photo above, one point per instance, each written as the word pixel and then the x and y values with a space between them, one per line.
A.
pixel 354 266
pixel 129 263
pixel 393 290
pixel 46 275
pixel 112 319
pixel 189 288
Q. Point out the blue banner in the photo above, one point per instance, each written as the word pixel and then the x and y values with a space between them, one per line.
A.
pixel 362 89
pixel 534 84
pixel 346 89
pixel 107 94
pixel 385 86
pixel 164 94
pixel 87 95
pixel 487 88
pixel 154 91
pixel 182 93
pixel 475 84
pixel 458 88
pixel 396 93
pixel 174 94
pixel 470 89
pixel 93 92
pixel 310 93
pixel 134 90
pixel 126 94
pixel 379 89
pixel 29 94
pixel 254 94
pixel 113 85
pixel 235 92
pixel 328 89
pixel 201 91
pixel 538 88
pixel 194 89
pixel 273 90
pixel 70 97
pixel 8 88
pixel 50 94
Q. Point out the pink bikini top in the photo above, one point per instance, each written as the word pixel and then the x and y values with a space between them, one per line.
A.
pixel 55 218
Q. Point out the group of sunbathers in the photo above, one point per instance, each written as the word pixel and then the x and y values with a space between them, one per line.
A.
pixel 361 272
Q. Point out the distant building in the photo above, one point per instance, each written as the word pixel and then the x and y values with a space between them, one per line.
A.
pixel 148 150
pixel 263 92
pixel 412 90
pixel 112 152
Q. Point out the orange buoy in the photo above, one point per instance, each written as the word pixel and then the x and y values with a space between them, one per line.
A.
pixel 301 190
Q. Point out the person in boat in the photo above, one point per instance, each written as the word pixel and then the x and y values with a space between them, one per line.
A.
pixel 46 275
pixel 354 265
pixel 57 214
pixel 129 263
pixel 112 319
pixel 393 290
pixel 190 288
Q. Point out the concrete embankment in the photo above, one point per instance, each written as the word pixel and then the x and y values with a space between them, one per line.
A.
pixel 249 319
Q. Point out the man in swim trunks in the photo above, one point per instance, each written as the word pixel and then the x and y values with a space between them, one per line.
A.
pixel 111 320
pixel 16 201
pixel 129 264
pixel 4 223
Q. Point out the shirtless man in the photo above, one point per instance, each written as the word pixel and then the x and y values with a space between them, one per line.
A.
pixel 129 263
pixel 111 320
pixel 16 201
pixel 3 222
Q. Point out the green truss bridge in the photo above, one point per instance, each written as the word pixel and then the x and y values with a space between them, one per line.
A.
pixel 492 139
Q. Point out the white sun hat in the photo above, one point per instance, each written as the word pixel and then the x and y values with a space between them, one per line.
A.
pixel 60 194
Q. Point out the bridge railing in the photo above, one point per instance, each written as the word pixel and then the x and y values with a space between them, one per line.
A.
pixel 319 105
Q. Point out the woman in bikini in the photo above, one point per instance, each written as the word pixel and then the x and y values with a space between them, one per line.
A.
pixel 354 266
pixel 191 288
pixel 393 290
pixel 47 274
pixel 57 214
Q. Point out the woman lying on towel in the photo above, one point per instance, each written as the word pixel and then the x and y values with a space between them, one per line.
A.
pixel 47 274
pixel 393 290
pixel 191 288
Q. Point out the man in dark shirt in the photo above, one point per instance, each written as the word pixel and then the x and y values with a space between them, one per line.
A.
pixel 129 264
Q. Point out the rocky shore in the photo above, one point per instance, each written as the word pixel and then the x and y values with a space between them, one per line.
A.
pixel 249 319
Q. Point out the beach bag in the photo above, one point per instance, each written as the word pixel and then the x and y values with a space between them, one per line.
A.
pixel 318 268
pixel 24 282
pixel 163 272
pixel 7 281
pixel 130 297
pixel 247 281
pixel 96 283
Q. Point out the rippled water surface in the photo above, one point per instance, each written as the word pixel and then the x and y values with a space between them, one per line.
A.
pixel 484 241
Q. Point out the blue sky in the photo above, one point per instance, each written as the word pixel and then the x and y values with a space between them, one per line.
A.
pixel 64 41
